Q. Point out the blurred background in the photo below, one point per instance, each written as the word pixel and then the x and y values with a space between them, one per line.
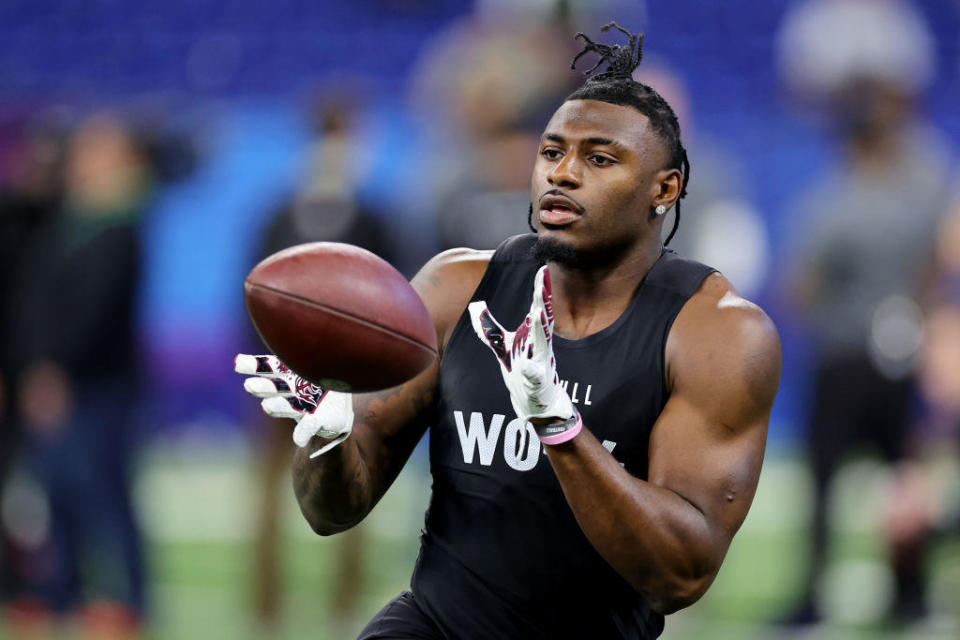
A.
pixel 151 153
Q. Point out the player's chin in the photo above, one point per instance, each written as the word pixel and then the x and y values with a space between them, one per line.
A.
pixel 552 247
pixel 573 248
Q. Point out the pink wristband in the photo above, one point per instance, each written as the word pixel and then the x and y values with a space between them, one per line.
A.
pixel 564 436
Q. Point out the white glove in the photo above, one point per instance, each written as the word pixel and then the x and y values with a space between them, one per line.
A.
pixel 318 412
pixel 526 360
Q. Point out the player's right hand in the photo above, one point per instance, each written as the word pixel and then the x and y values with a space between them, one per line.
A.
pixel 318 412
pixel 528 365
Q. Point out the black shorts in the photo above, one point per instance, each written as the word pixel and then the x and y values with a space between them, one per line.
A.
pixel 401 618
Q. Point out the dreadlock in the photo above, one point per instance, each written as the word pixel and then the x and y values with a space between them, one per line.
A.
pixel 615 85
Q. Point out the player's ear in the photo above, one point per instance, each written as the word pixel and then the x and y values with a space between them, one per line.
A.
pixel 666 187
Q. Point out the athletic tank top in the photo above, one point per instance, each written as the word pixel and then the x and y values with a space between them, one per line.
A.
pixel 502 556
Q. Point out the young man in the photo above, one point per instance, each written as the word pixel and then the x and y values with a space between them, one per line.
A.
pixel 641 385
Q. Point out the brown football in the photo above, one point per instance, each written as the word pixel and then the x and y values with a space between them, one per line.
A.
pixel 340 316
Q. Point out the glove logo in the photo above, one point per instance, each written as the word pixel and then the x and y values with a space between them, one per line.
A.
pixel 495 338
pixel 317 411
pixel 308 392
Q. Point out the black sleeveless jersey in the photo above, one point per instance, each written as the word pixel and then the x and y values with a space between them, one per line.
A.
pixel 502 556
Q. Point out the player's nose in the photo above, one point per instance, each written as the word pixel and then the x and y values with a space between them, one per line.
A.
pixel 565 173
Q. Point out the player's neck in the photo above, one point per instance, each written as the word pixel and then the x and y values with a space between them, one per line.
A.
pixel 587 300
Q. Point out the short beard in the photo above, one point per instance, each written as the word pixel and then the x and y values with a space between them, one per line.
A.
pixel 546 250
pixel 552 250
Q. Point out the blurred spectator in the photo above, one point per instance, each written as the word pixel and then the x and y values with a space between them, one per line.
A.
pixel 866 233
pixel 30 191
pixel 75 336
pixel 487 122
pixel 924 499
pixel 324 208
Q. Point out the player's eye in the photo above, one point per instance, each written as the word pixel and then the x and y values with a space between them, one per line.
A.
pixel 551 154
pixel 601 161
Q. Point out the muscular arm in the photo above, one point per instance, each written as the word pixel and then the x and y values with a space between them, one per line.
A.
pixel 338 489
pixel 669 534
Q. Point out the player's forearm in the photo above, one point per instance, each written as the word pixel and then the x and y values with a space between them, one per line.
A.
pixel 333 490
pixel 660 543
pixel 337 489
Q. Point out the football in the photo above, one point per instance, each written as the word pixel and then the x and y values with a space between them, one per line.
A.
pixel 340 316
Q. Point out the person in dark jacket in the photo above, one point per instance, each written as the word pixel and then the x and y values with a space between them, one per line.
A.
pixel 75 332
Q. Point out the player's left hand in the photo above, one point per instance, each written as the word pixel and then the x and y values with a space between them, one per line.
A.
pixel 317 412
pixel 528 365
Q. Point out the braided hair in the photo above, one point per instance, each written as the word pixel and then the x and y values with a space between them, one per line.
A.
pixel 615 85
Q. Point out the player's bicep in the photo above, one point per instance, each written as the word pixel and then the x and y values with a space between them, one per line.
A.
pixel 708 444
pixel 711 465
pixel 388 425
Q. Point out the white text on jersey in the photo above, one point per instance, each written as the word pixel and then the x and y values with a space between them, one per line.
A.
pixel 479 440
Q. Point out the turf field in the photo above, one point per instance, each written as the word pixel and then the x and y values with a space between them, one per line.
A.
pixel 197 505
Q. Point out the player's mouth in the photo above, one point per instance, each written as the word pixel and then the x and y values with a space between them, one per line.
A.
pixel 559 211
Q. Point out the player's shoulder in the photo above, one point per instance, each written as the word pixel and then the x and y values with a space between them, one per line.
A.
pixel 447 282
pixel 460 267
pixel 717 308
pixel 718 332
